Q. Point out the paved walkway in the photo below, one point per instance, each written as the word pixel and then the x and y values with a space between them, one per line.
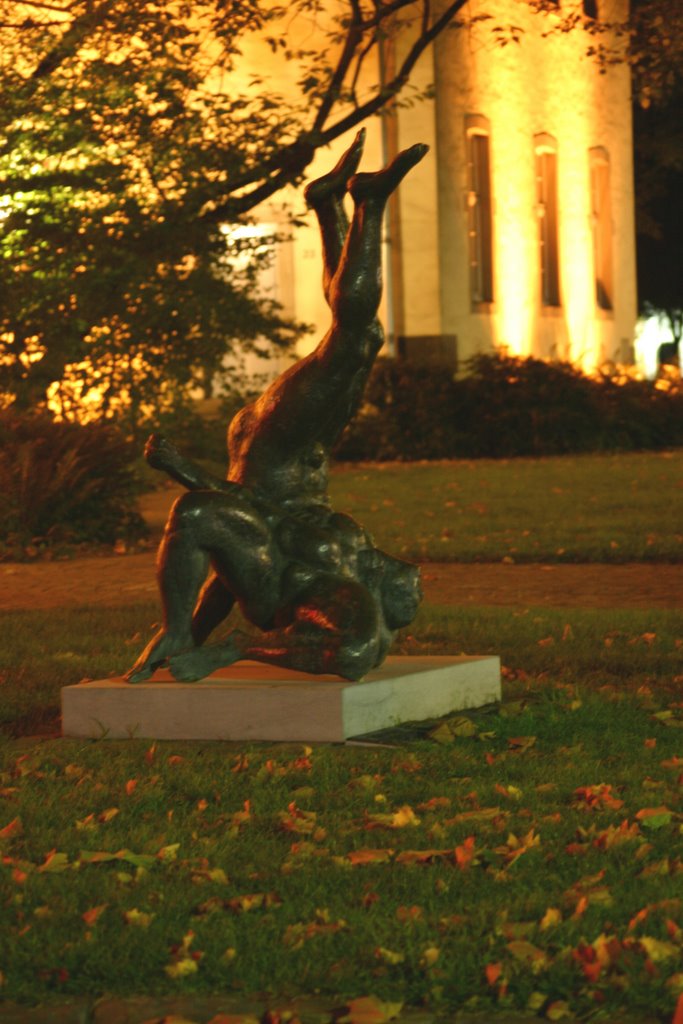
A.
pixel 126 579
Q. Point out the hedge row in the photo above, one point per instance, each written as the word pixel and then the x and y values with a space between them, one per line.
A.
pixel 505 407
pixel 63 483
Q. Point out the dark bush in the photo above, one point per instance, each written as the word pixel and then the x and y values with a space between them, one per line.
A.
pixel 65 483
pixel 506 406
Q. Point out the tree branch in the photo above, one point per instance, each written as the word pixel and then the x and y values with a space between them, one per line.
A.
pixel 353 38
pixel 393 87
pixel 293 161
pixel 372 41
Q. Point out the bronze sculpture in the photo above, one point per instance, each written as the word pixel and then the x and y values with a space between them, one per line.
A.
pixel 324 598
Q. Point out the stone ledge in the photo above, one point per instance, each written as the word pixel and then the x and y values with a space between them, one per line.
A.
pixel 250 701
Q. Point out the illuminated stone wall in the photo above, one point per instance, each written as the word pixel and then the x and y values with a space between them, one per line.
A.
pixel 535 87
pixel 544 85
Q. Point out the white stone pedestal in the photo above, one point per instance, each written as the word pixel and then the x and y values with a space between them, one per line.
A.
pixel 250 701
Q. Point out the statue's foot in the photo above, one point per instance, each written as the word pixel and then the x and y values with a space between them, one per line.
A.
pixel 334 183
pixel 190 666
pixel 161 647
pixel 381 184
pixel 186 668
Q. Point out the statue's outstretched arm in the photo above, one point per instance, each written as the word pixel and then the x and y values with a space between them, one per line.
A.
pixel 163 455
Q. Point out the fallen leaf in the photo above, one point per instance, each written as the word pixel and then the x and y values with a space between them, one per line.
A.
pixel 435 801
pixel 210 875
pixel 107 815
pixel 421 856
pixel 172 1018
pixel 235 1018
pixel 528 954
pixel 297 820
pixel 511 792
pixel 296 934
pixel 54 862
pixel 369 1010
pixel 389 956
pixel 493 972
pixel 581 906
pixel 465 854
pixel 169 852
pixel 557 1010
pixel 252 901
pixel 514 847
pixel 429 957
pixel 615 835
pixel 404 816
pixel 551 917
pixel 654 817
pixel 181 968
pixel 137 918
pixel 481 814
pixel 90 916
pixel 369 856
pixel 596 797
pixel 138 860
pixel 658 950
pixel 13 829
pixel 441 734
pixel 521 743
pixel 462 726
pixel 407 915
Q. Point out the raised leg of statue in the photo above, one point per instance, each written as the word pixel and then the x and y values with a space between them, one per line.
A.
pixel 325 196
pixel 356 288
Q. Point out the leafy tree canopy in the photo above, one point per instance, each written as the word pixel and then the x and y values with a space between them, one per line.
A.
pixel 131 134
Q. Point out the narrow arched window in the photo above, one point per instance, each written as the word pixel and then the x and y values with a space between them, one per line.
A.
pixel 601 226
pixel 479 209
pixel 546 209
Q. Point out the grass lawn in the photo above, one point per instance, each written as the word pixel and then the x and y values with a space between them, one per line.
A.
pixel 527 855
pixel 524 856
pixel 589 508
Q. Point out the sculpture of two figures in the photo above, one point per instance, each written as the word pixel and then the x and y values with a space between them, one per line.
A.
pixel 324 599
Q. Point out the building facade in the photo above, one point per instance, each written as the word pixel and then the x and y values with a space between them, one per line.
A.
pixel 517 230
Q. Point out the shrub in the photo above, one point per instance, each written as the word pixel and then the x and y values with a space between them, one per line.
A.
pixel 507 406
pixel 63 482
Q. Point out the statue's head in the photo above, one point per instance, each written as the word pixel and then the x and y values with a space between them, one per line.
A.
pixel 400 591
